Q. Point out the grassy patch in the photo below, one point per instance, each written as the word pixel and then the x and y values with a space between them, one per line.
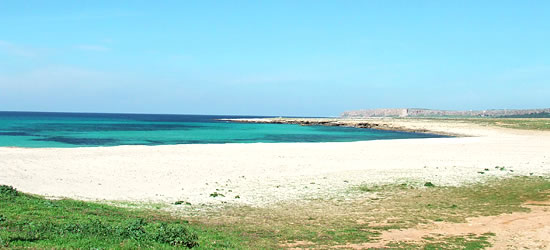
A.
pixel 399 208
pixel 468 241
pixel 29 221
pixel 360 219
pixel 515 123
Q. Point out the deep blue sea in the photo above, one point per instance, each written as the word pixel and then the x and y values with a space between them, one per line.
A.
pixel 39 129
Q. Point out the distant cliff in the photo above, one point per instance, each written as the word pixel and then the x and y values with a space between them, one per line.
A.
pixel 446 113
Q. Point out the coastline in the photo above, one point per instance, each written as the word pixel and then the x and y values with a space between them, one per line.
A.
pixel 267 173
pixel 376 123
pixel 412 125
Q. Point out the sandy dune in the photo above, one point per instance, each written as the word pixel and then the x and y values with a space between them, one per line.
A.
pixel 263 173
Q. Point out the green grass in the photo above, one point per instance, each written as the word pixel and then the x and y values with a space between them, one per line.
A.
pixel 361 216
pixel 426 203
pixel 515 123
pixel 35 222
pixel 468 241
pixel 371 210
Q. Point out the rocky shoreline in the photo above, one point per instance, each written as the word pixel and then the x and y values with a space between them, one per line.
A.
pixel 379 124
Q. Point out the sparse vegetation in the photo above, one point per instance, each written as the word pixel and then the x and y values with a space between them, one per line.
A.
pixel 468 241
pixel 429 184
pixel 375 209
pixel 515 123
pixel 360 216
pixel 216 194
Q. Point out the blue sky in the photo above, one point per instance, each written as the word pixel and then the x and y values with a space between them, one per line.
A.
pixel 315 58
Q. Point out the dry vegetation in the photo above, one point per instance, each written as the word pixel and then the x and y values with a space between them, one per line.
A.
pixel 542 124
pixel 368 211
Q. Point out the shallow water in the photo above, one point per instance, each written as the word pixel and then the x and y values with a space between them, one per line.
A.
pixel 37 129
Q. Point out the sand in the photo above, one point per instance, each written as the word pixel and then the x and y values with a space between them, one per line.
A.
pixel 263 173
pixel 517 230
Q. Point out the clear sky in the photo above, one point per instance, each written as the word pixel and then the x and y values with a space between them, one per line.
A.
pixel 297 57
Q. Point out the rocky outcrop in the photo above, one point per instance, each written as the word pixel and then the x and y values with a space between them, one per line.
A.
pixel 370 124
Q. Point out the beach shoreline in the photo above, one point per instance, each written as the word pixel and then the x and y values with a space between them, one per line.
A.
pixel 367 123
pixel 259 174
pixel 455 127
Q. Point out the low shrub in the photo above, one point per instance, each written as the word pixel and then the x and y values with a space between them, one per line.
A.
pixel 429 184
pixel 8 191
pixel 175 235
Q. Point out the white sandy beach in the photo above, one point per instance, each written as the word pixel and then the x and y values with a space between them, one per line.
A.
pixel 263 173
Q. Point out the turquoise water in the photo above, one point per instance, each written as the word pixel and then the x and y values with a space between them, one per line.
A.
pixel 32 129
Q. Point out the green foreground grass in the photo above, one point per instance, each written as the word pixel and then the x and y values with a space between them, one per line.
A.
pixel 36 222
pixel 358 217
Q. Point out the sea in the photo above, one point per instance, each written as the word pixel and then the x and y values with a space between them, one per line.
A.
pixel 66 130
